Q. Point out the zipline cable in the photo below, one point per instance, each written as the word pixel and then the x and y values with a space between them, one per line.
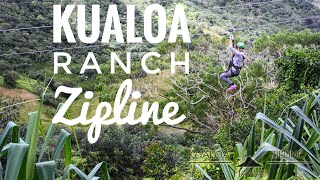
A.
pixel 247 4
pixel 25 2
pixel 91 46
pixel 282 22
pixel 214 7
pixel 27 28
pixel 253 3
pixel 42 27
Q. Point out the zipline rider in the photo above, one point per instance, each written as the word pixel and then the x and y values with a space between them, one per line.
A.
pixel 235 64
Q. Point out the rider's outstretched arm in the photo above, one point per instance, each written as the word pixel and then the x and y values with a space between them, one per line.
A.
pixel 231 40
pixel 235 51
pixel 231 45
pixel 232 48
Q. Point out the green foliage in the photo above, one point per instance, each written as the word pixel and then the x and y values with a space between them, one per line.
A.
pixel 16 153
pixel 199 13
pixel 8 111
pixel 154 164
pixel 277 100
pixel 132 151
pixel 298 132
pixel 37 75
pixel 20 154
pixel 26 83
pixel 162 161
pixel 114 146
pixel 203 155
pixel 5 66
pixel 49 99
pixel 38 90
pixel 10 78
pixel 1 81
pixel 201 95
pixel 298 69
pixel 283 40
pixel 233 132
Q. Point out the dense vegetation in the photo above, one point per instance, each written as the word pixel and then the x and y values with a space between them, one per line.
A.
pixel 282 71
pixel 20 155
pixel 299 68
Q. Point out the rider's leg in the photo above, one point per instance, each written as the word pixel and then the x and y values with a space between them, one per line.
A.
pixel 225 77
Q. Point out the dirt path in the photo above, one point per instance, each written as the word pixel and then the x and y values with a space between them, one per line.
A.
pixel 170 131
pixel 17 94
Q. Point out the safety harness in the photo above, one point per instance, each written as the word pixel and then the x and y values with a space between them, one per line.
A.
pixel 232 65
pixel 238 68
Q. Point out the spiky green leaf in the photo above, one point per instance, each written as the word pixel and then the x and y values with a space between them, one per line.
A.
pixel 15 158
pixel 46 170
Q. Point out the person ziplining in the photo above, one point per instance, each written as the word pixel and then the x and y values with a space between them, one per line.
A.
pixel 235 64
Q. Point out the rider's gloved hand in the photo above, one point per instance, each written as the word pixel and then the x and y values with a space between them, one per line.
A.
pixel 231 37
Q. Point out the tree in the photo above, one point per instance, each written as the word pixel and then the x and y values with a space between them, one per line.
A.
pixel 299 68
pixel 5 66
pixel 10 78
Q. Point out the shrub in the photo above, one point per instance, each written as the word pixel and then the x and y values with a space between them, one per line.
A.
pixel 69 83
pixel 38 90
pixel 49 99
pixel 299 68
pixel 10 78
pixel 55 85
pixel 283 40
pixel 5 66
pixel 123 149
pixel 8 114
pixel 37 75
pixel 162 160
pixel 154 164
pixel 131 151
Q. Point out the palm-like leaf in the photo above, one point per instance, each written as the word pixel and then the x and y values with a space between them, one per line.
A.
pixel 15 158
pixel 46 170
pixel 48 137
pixel 203 172
pixel 32 140
pixel 302 137
pixel 11 129
pixel 18 154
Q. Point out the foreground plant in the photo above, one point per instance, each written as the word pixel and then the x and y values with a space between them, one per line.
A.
pixel 21 154
pixel 290 148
